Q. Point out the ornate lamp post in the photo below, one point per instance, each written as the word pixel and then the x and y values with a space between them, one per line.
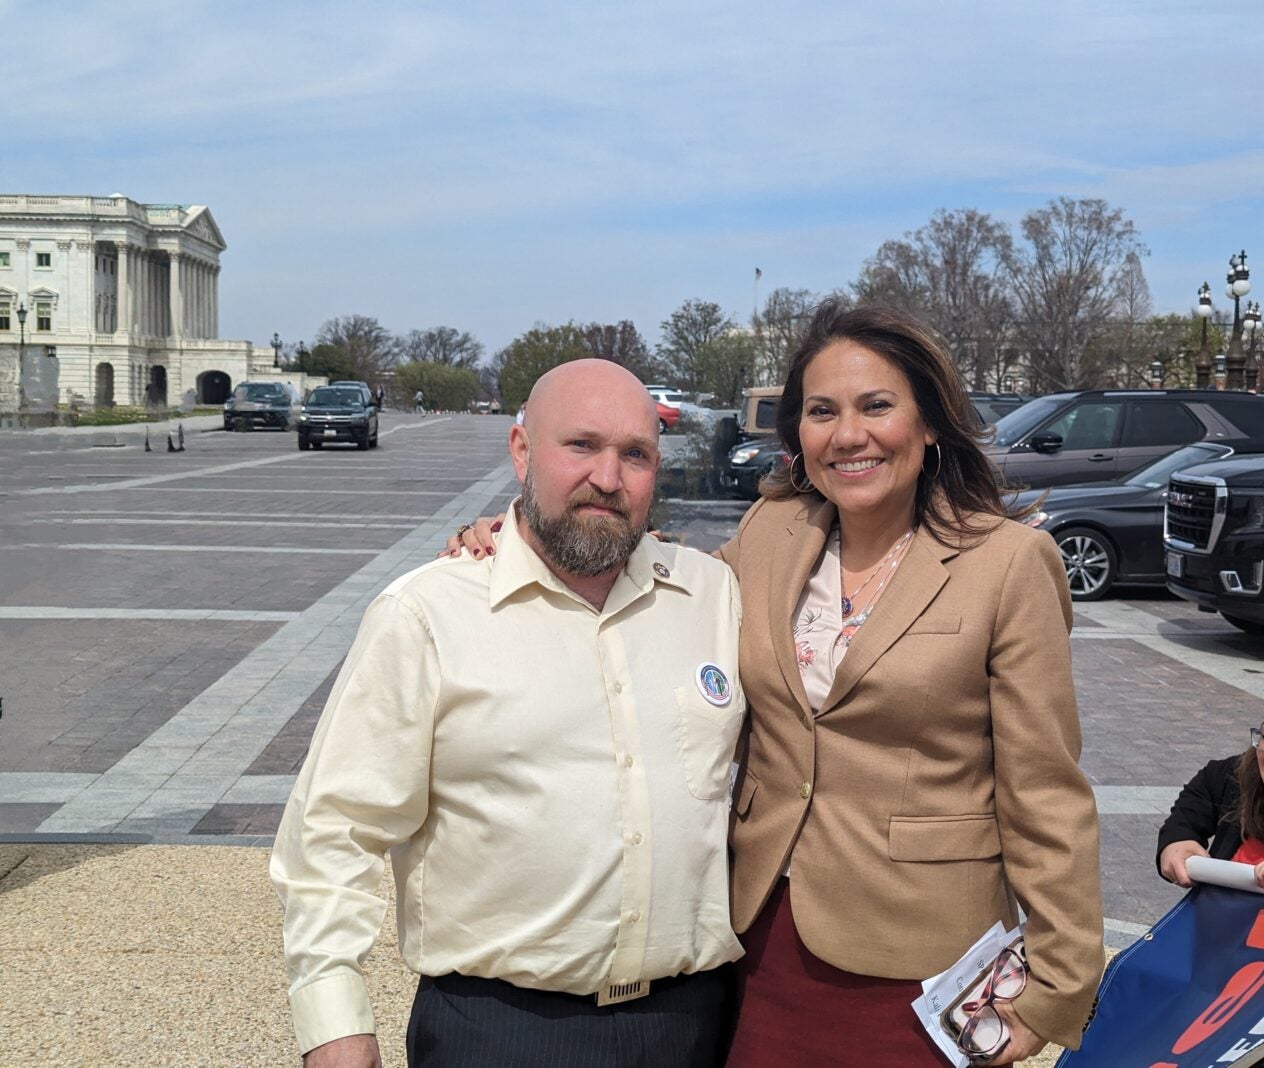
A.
pixel 301 353
pixel 1156 374
pixel 1202 363
pixel 1220 373
pixel 1238 286
pixel 21 352
pixel 276 349
pixel 1251 327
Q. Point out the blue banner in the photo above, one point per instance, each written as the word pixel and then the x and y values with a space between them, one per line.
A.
pixel 1190 994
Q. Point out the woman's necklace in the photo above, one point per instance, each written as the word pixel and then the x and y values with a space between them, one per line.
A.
pixel 849 603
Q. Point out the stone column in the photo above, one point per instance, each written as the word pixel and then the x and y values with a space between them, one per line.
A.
pixel 215 301
pixel 124 288
pixel 176 283
pixel 201 305
pixel 87 270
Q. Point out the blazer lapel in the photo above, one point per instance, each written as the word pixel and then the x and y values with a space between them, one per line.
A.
pixel 790 570
pixel 917 581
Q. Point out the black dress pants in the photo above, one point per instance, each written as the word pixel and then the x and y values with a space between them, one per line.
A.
pixel 464 1022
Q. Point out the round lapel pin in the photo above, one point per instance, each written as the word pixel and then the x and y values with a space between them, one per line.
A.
pixel 661 571
pixel 713 684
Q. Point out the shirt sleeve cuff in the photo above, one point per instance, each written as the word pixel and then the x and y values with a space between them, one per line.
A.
pixel 329 1008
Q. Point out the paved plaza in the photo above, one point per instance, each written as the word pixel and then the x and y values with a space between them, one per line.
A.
pixel 171 623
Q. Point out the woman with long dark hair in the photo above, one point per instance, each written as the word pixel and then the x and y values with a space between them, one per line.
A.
pixel 1221 807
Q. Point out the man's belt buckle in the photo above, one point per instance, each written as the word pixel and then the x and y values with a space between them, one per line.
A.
pixel 620 992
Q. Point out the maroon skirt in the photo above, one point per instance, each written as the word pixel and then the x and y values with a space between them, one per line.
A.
pixel 796 1009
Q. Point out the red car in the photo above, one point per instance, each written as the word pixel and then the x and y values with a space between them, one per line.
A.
pixel 668 416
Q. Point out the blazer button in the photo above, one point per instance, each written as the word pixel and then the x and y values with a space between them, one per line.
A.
pixel 805 790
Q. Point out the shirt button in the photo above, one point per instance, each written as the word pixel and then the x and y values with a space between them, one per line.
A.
pixel 805 790
pixel 628 761
pixel 618 687
pixel 634 917
pixel 637 839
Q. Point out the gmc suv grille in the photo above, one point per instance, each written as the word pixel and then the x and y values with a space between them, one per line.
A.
pixel 1192 514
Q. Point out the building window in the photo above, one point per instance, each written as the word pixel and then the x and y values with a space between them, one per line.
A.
pixel 44 259
pixel 43 315
pixel 5 263
pixel 5 311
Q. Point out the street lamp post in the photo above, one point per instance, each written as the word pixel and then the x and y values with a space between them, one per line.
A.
pixel 301 353
pixel 21 352
pixel 1220 373
pixel 1251 327
pixel 1156 374
pixel 1238 286
pixel 276 349
pixel 1202 363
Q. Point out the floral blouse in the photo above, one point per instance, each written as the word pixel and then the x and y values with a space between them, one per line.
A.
pixel 820 639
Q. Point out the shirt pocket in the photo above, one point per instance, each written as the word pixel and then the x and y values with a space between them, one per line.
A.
pixel 940 838
pixel 706 736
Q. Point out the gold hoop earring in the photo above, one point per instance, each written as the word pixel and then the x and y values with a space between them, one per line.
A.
pixel 939 462
pixel 809 488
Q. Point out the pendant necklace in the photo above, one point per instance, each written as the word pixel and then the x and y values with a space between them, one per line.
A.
pixel 848 603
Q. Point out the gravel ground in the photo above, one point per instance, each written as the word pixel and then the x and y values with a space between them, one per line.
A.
pixel 162 956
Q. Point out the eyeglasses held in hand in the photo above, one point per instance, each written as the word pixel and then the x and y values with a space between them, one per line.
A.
pixel 985 1033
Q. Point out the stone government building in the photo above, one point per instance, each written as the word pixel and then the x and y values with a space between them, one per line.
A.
pixel 122 303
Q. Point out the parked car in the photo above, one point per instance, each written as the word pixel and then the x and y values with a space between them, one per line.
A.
pixel 337 413
pixel 673 398
pixel 749 462
pixel 369 399
pixel 1214 536
pixel 1111 533
pixel 668 417
pixel 256 404
pixel 757 416
pixel 1097 435
pixel 991 408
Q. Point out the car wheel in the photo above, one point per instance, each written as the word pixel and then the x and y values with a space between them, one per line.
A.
pixel 1090 562
pixel 662 427
pixel 362 442
pixel 303 443
pixel 317 444
pixel 1248 626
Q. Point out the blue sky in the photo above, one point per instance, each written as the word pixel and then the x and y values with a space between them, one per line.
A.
pixel 490 165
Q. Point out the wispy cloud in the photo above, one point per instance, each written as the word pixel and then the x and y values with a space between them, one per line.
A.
pixel 500 163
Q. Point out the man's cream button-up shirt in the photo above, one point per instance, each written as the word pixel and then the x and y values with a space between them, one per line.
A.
pixel 551 781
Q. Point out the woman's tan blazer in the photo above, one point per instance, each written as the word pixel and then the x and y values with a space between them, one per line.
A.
pixel 938 785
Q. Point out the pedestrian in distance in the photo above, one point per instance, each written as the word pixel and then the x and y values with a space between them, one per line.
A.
pixel 548 734
pixel 1222 807
pixel 908 775
pixel 419 403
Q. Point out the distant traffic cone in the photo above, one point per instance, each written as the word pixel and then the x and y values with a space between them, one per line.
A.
pixel 147 448
pixel 171 445
pixel 180 436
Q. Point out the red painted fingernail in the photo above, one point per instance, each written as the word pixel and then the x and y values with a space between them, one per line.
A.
pixel 489 550
pixel 476 553
pixel 496 528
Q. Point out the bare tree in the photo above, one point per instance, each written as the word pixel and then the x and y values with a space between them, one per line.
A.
pixel 777 329
pixel 1122 352
pixel 365 343
pixel 951 274
pixel 684 334
pixel 621 343
pixel 1066 282
pixel 441 344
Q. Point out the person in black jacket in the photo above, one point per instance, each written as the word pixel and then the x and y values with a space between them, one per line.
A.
pixel 1224 805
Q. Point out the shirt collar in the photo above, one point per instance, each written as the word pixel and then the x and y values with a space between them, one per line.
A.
pixel 516 565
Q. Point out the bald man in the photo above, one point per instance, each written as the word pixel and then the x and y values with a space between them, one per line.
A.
pixel 541 739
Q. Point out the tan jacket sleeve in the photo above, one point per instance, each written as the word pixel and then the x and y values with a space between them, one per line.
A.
pixel 1045 806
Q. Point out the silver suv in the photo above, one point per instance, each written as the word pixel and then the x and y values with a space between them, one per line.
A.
pixel 1098 435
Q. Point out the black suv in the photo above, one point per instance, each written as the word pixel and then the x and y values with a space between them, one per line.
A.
pixel 255 404
pixel 1213 532
pixel 337 413
pixel 1096 435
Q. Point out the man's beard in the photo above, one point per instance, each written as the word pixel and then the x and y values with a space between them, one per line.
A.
pixel 583 545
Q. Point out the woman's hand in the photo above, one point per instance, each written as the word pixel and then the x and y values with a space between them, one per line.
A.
pixel 475 537
pixel 1023 1041
pixel 1259 874
pixel 1172 862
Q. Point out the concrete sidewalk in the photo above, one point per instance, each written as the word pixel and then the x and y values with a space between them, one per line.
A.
pixel 192 424
pixel 164 956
